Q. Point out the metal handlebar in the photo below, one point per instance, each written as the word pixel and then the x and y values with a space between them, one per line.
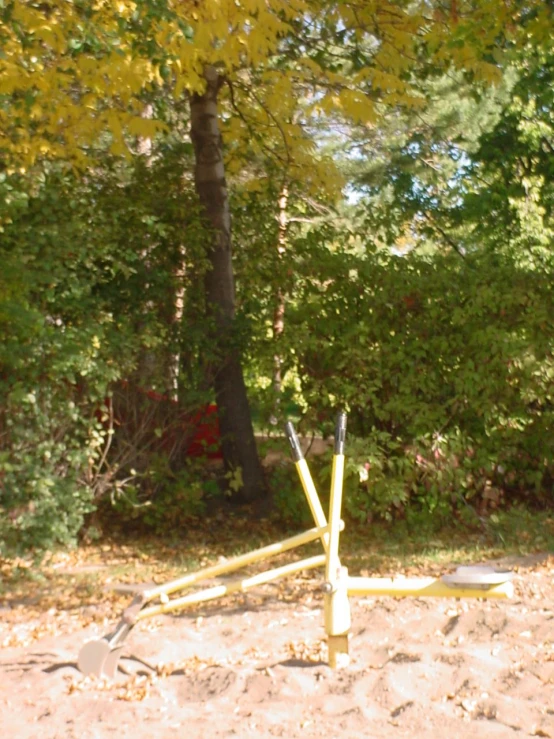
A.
pixel 294 442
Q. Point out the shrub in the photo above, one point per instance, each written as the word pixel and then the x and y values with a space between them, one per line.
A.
pixel 445 367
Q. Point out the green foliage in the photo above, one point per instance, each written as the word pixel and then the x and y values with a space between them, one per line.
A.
pixel 443 357
pixel 286 493
pixel 446 367
pixel 508 196
pixel 46 450
pixel 52 368
pixel 522 528
pixel 89 265
pixel 376 478
pixel 162 499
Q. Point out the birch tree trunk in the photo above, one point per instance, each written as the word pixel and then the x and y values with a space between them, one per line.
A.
pixel 238 443
pixel 279 310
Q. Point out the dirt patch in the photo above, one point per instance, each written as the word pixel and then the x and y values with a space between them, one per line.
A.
pixel 255 667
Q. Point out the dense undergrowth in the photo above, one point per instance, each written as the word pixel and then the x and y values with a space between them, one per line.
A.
pixel 443 357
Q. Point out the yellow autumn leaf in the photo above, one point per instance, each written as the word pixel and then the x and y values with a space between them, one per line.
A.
pixel 138 126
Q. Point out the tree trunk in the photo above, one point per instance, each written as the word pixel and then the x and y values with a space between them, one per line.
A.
pixel 279 310
pixel 147 361
pixel 237 434
pixel 178 312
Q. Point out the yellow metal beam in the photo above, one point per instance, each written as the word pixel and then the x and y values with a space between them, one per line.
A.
pixel 422 587
pixel 335 503
pixel 235 563
pixel 235 586
pixel 336 607
pixel 312 497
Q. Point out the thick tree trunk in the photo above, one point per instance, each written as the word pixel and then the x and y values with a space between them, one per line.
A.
pixel 238 443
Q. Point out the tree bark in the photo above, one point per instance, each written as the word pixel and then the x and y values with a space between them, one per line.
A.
pixel 237 434
pixel 280 298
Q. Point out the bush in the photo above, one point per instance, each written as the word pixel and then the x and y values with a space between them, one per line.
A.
pixel 445 367
pixel 46 450
pixel 90 271
pixel 161 500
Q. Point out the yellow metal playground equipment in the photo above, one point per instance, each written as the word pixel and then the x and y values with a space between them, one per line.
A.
pixel 100 657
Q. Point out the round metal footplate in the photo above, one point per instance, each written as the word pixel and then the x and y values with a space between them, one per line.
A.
pixel 477 576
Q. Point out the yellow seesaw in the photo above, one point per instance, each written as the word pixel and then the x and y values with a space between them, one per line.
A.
pixel 100 657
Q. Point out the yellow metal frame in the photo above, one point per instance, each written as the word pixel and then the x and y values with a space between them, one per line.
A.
pixel 423 587
pixel 101 657
pixel 339 585
pixel 231 565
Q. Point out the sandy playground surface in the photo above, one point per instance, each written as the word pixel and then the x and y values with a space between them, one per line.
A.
pixel 254 666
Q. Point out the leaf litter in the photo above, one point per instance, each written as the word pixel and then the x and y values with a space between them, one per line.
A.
pixel 260 658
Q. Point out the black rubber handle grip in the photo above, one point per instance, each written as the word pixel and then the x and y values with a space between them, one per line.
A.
pixel 340 433
pixel 294 442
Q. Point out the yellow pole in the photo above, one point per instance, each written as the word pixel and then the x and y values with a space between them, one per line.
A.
pixel 336 605
pixel 333 562
pixel 307 483
pixel 235 563
pixel 233 587
pixel 420 587
pixel 312 498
